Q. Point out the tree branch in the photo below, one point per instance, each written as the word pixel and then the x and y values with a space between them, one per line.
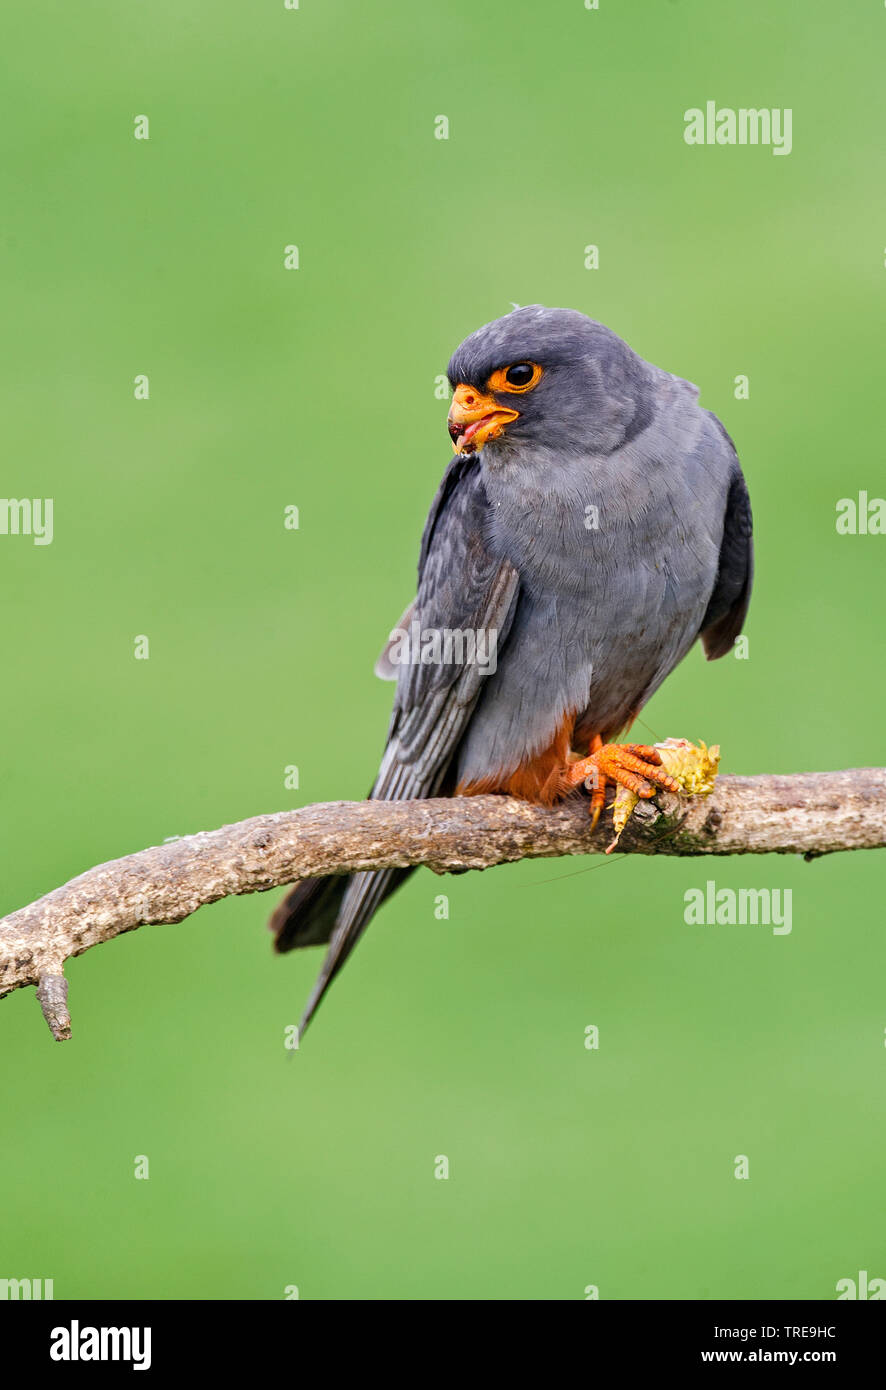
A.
pixel 807 813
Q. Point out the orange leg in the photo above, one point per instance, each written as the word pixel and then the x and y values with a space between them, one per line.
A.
pixel 636 766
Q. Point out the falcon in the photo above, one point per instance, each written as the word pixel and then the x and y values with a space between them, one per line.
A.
pixel 592 525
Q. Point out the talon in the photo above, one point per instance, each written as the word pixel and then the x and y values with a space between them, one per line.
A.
pixel 644 751
pixel 598 797
pixel 635 766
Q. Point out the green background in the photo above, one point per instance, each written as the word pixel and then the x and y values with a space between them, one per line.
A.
pixel 315 387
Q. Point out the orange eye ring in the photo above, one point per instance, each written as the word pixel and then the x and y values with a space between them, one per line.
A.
pixel 499 379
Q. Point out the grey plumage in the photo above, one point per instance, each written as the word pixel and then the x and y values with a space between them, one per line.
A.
pixel 603 532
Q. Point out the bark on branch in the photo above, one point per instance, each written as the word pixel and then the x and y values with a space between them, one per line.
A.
pixel 807 813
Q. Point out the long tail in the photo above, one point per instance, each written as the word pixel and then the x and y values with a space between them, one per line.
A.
pixel 336 909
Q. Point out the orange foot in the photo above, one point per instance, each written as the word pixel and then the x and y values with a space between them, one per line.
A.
pixel 632 765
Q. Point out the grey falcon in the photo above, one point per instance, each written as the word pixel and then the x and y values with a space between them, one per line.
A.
pixel 593 524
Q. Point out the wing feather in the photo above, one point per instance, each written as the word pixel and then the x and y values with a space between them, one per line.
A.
pixel 731 595
pixel 462 587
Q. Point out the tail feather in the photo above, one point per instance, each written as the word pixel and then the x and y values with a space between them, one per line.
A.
pixel 306 916
pixel 364 895
pixel 337 910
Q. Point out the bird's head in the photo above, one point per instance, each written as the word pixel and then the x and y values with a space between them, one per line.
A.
pixel 540 378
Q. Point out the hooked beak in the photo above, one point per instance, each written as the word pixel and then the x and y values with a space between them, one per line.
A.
pixel 475 418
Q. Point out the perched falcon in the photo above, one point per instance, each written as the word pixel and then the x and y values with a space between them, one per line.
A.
pixel 593 523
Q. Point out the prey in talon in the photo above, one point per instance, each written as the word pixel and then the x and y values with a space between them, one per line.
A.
pixel 592 526
pixel 635 766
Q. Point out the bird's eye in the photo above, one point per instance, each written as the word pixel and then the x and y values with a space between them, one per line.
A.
pixel 521 376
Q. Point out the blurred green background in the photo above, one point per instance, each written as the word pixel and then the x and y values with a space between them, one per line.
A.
pixel 315 387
